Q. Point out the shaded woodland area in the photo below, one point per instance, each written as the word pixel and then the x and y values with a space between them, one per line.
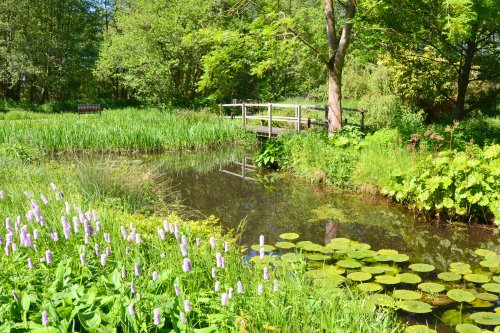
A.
pixel 436 57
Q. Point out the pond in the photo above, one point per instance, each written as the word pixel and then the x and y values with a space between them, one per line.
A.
pixel 224 183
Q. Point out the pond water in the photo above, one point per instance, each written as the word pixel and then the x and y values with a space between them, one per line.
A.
pixel 272 204
pixel 224 183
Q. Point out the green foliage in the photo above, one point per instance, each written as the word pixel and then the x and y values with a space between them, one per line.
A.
pixel 455 184
pixel 270 155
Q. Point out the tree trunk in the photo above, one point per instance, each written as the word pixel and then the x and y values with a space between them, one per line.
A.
pixel 337 49
pixel 463 80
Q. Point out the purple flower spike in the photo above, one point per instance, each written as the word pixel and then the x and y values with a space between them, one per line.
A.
pixel 156 317
pixel 230 293
pixel 48 256
pixel 14 295
pixel 131 309
pixel 262 253
pixel 138 239
pixel 184 240
pixel 7 250
pixel 187 306
pixel 82 259
pixel 30 263
pixel 124 272
pixel 217 286
pixel 103 259
pixel 275 286
pixel 261 240
pixel 214 272
pixel 177 290
pixel 2 195
pixel 224 299
pixel 183 317
pixel 260 289
pixel 87 238
pixel 67 207
pixel 124 232
pixel 161 233
pixel 96 249
pixel 155 276
pixel 76 224
pixel 132 288
pixel 137 269
pixel 186 266
pixel 266 273
pixel 212 243
pixel 107 238
pixel 165 226
pixel 44 199
pixel 45 318
pixel 240 287
pixel 218 258
pixel 54 236
pixel 198 242
pixel 226 246
pixel 223 263
pixel 53 186
pixel 108 251
pixel 184 250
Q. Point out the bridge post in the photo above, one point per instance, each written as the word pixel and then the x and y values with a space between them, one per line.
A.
pixel 269 124
pixel 299 117
pixel 244 114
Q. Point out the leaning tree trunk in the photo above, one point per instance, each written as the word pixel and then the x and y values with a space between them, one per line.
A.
pixel 463 80
pixel 337 48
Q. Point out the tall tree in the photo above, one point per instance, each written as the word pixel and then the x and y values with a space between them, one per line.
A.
pixel 450 45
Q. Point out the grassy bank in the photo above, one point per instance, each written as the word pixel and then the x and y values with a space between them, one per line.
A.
pixel 65 281
pixel 121 130
pixel 439 171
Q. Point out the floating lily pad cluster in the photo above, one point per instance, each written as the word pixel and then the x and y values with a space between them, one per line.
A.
pixel 393 282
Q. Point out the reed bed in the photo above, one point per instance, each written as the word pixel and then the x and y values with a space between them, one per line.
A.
pixel 123 130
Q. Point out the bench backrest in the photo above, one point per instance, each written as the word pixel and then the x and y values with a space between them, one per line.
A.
pixel 88 108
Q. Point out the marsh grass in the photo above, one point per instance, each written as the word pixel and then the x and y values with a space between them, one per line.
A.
pixel 124 131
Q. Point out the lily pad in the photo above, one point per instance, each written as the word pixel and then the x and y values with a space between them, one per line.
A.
pixel 431 287
pixel 492 287
pixel 284 245
pixel 301 244
pixel 386 252
pixel 419 329
pixel 291 257
pixel 330 282
pixel 361 254
pixel 460 268
pixel 374 270
pixel 359 247
pixel 460 295
pixel 348 263
pixel 387 279
pixel 489 264
pixel 369 287
pixel 449 276
pixel 497 310
pixel 486 318
pixel 406 294
pixel 496 279
pixel 487 297
pixel 267 248
pixel 399 257
pixel 312 247
pixel 479 303
pixel 381 299
pixel 359 276
pixel 415 306
pixel 409 278
pixel 318 257
pixel 467 328
pixel 324 273
pixel 477 278
pixel 484 253
pixel 289 236
pixel 424 268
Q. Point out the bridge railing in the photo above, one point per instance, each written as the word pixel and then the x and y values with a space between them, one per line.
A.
pixel 298 119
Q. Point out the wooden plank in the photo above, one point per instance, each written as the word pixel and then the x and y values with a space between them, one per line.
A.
pixel 270 122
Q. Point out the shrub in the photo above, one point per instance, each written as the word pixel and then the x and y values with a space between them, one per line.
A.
pixel 455 184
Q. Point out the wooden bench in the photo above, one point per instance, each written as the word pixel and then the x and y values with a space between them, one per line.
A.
pixel 88 108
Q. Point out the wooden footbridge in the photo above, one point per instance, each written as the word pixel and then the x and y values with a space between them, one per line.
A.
pixel 270 124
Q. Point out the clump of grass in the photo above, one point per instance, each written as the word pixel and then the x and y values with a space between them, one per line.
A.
pixel 125 130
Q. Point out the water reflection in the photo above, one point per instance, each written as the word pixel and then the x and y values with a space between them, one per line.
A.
pixel 229 187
